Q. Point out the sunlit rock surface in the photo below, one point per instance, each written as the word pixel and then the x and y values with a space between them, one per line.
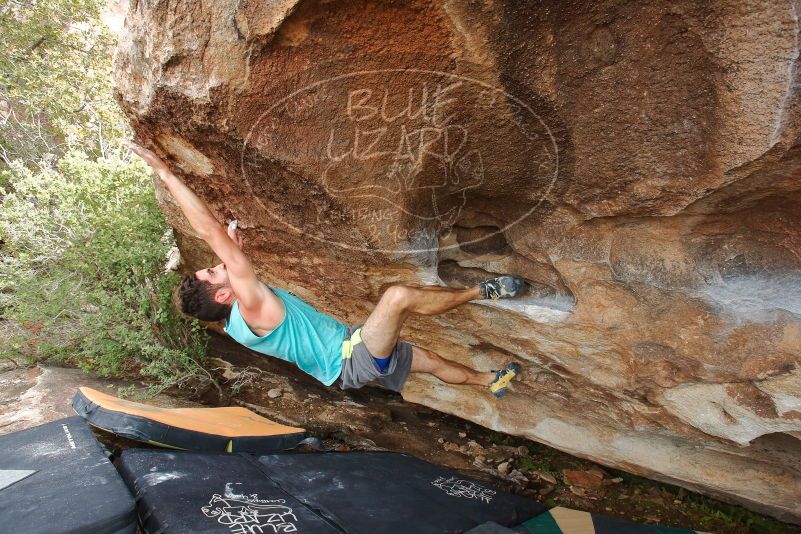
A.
pixel 638 163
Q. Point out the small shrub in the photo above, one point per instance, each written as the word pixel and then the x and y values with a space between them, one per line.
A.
pixel 81 277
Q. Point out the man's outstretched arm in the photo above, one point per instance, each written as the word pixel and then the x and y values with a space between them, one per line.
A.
pixel 195 210
pixel 251 293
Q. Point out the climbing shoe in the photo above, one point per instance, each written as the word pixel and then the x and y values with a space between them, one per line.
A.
pixel 503 287
pixel 499 386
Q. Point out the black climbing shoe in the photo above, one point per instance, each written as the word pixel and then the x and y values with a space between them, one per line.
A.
pixel 503 287
pixel 499 386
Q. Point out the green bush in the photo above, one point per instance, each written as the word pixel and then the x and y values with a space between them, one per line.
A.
pixel 81 278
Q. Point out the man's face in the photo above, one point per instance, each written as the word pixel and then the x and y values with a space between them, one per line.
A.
pixel 216 275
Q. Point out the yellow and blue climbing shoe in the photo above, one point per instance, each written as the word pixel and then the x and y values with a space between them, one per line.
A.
pixel 499 386
pixel 503 287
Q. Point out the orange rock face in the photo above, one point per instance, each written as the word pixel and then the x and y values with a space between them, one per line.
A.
pixel 637 163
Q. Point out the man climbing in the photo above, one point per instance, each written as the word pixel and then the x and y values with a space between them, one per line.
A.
pixel 276 322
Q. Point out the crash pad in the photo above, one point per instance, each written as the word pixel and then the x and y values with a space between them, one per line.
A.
pixel 230 429
pixel 58 478
pixel 561 520
pixel 179 492
pixel 376 491
pixel 355 492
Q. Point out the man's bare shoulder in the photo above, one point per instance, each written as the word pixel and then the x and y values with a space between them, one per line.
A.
pixel 267 316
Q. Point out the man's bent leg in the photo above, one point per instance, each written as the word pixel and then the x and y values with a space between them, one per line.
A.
pixel 433 300
pixel 382 328
pixel 426 361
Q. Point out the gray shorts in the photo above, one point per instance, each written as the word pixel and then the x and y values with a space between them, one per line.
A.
pixel 359 368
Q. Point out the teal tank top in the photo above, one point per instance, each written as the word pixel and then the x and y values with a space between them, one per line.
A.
pixel 309 339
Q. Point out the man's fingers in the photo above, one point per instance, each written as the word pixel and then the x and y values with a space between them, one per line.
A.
pixel 133 147
pixel 150 158
pixel 235 236
pixel 139 151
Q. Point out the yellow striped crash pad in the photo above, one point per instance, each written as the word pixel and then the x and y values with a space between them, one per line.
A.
pixel 231 429
pixel 566 521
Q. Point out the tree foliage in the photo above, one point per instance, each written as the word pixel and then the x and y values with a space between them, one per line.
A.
pixel 55 81
pixel 81 277
pixel 82 240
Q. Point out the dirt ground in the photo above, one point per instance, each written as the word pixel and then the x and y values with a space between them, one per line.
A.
pixel 372 418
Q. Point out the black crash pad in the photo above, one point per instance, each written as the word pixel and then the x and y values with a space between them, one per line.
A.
pixel 358 492
pixel 57 478
pixel 389 492
pixel 179 492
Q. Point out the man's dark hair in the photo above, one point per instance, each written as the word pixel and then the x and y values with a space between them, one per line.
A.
pixel 197 299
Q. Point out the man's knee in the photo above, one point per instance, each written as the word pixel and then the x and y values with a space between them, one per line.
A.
pixel 397 297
